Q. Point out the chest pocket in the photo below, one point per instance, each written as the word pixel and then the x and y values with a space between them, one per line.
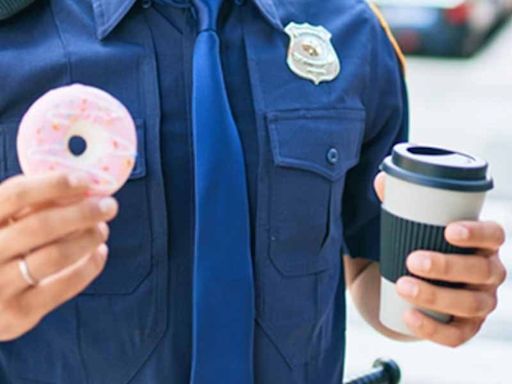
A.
pixel 311 151
pixel 130 260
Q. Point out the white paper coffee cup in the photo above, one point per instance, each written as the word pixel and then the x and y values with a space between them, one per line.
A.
pixel 426 189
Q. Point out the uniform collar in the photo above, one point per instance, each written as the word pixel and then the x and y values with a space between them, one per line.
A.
pixel 109 13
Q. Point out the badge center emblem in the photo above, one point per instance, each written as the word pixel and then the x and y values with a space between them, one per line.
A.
pixel 311 54
pixel 310 48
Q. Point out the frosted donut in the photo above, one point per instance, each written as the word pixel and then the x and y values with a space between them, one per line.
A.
pixel 83 113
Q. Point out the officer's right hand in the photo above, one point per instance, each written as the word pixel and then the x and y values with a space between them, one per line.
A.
pixel 63 245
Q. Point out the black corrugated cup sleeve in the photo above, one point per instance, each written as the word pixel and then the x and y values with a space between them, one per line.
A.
pixel 9 8
pixel 401 237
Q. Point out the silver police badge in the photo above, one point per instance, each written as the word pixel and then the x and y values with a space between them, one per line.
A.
pixel 311 54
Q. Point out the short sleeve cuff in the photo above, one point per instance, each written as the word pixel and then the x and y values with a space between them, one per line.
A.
pixel 365 242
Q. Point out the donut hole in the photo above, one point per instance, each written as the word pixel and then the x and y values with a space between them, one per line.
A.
pixel 77 145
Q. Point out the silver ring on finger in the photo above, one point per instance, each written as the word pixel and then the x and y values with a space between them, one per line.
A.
pixel 25 272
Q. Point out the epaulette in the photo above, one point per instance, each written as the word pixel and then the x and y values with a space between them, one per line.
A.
pixel 392 39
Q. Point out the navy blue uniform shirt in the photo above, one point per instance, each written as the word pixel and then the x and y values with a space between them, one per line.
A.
pixel 311 152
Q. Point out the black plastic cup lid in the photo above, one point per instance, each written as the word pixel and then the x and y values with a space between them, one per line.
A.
pixel 438 168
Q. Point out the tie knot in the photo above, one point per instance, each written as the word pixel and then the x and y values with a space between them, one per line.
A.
pixel 207 13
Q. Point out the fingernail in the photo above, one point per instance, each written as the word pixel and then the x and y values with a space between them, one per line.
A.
pixel 407 288
pixel 78 180
pixel 107 205
pixel 458 232
pixel 103 228
pixel 419 263
pixel 413 319
pixel 103 251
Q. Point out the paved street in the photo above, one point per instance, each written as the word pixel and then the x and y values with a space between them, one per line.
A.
pixel 465 105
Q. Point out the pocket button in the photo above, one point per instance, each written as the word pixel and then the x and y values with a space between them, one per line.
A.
pixel 333 156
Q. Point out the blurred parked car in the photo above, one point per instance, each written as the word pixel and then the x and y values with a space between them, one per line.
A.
pixel 443 27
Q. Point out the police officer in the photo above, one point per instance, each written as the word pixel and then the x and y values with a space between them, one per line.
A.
pixel 309 99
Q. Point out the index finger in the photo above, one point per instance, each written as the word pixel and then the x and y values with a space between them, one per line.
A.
pixel 487 236
pixel 20 192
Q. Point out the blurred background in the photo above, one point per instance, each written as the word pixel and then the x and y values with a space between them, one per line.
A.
pixel 460 84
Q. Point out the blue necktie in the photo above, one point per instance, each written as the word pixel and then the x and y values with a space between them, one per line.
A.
pixel 223 297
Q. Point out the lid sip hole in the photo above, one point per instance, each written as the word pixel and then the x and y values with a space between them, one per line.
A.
pixel 77 145
pixel 429 151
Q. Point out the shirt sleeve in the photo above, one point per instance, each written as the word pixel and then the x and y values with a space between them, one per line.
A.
pixel 387 122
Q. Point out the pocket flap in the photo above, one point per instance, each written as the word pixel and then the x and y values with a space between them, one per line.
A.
pixel 9 163
pixel 320 141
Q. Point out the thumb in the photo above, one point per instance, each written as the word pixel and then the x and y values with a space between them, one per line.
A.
pixel 379 184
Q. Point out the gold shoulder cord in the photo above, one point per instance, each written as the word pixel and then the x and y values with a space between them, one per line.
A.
pixel 392 39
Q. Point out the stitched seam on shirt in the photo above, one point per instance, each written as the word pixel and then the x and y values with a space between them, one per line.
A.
pixel 80 346
pixel 261 126
pixel 63 45
pixel 370 52
pixel 301 114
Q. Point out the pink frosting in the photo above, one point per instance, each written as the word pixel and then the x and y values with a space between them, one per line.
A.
pixel 79 110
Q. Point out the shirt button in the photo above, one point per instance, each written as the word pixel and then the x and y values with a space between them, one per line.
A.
pixel 146 4
pixel 333 156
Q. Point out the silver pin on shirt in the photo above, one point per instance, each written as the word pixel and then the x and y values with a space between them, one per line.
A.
pixel 311 54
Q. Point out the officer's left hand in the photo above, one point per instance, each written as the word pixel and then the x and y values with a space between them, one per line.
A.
pixel 481 273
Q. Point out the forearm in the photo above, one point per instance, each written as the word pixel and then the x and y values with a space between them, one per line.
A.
pixel 363 280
